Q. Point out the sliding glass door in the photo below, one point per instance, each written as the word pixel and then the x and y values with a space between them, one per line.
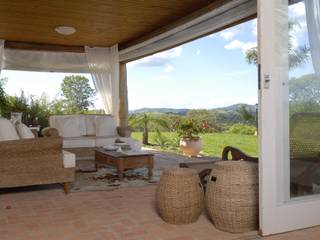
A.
pixel 289 45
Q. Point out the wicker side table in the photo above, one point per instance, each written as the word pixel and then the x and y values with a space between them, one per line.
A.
pixel 179 196
pixel 232 196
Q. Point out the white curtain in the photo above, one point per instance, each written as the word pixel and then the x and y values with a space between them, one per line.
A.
pixel 104 68
pixel 313 24
pixel 1 54
pixel 16 59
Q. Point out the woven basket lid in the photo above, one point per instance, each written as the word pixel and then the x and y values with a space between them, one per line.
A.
pixel 236 165
pixel 180 172
pixel 235 172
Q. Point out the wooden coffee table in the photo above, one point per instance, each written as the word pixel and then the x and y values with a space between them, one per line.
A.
pixel 122 161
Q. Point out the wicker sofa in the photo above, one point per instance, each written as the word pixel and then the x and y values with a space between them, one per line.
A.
pixel 37 161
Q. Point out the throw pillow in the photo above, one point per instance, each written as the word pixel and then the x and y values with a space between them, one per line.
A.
pixel 24 132
pixel 7 130
pixel 90 122
pixel 67 125
pixel 106 126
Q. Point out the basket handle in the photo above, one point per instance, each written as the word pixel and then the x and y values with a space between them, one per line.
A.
pixel 213 179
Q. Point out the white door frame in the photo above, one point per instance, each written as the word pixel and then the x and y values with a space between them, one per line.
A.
pixel 277 212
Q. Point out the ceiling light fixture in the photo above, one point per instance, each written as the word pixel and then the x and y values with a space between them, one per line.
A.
pixel 65 30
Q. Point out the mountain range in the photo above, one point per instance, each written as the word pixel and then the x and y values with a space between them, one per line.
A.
pixel 184 111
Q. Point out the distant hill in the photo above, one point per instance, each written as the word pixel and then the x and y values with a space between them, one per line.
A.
pixel 236 107
pixel 184 111
pixel 181 112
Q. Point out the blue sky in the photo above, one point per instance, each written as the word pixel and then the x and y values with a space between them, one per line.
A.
pixel 207 73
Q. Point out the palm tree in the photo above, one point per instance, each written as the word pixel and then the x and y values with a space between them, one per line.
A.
pixel 144 121
pixel 297 56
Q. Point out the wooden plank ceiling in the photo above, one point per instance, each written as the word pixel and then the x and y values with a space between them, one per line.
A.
pixel 98 22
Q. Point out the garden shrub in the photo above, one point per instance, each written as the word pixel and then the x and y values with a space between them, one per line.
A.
pixel 242 129
pixel 160 139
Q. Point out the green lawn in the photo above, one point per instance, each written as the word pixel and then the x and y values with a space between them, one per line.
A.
pixel 214 142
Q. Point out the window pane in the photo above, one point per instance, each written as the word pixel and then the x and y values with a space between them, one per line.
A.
pixel 304 97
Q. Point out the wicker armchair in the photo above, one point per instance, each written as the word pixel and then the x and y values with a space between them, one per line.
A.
pixel 36 161
pixel 304 152
pixel 237 154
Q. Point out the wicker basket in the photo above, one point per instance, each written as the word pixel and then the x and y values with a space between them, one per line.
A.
pixel 232 196
pixel 179 196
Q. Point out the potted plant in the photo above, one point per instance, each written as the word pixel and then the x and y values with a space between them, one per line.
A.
pixel 190 143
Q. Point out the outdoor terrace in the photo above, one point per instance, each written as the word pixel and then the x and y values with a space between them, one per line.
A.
pixel 46 213
pixel 125 214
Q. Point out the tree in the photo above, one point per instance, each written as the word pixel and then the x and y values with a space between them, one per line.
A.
pixel 245 114
pixel 3 97
pixel 206 117
pixel 78 93
pixel 304 94
pixel 38 111
pixel 18 103
pixel 144 121
pixel 297 55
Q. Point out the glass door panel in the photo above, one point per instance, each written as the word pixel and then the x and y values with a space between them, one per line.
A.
pixel 289 119
pixel 304 97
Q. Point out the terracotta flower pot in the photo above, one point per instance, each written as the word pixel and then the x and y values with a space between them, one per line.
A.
pixel 191 147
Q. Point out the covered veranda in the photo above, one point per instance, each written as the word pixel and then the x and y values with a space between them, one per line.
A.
pixel 108 36
pixel 111 35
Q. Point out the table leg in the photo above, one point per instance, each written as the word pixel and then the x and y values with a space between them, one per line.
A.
pixel 120 168
pixel 150 167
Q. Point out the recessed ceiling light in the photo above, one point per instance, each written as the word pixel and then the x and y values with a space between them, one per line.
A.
pixel 65 30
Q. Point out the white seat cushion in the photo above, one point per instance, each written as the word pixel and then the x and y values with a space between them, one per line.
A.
pixel 79 142
pixel 106 126
pixel 69 159
pixel 7 130
pixel 24 132
pixel 103 141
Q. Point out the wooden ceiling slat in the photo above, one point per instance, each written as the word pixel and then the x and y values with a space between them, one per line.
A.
pixel 42 47
pixel 183 20
pixel 98 22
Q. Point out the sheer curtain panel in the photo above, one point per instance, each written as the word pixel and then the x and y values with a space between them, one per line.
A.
pixel 104 68
pixel 313 24
pixel 1 54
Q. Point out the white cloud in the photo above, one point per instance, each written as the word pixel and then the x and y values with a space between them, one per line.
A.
pixel 198 52
pixel 248 45
pixel 171 53
pixel 212 35
pixel 238 73
pixel 168 68
pixel 158 59
pixel 161 77
pixel 298 9
pixel 228 34
pixel 236 44
pixel 255 27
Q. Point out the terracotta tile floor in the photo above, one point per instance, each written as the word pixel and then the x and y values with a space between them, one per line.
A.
pixel 126 213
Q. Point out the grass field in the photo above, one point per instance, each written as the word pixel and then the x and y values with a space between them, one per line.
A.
pixel 213 143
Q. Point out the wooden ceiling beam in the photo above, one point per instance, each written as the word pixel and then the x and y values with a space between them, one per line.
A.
pixel 42 47
pixel 181 21
pixel 98 22
pixel 80 49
